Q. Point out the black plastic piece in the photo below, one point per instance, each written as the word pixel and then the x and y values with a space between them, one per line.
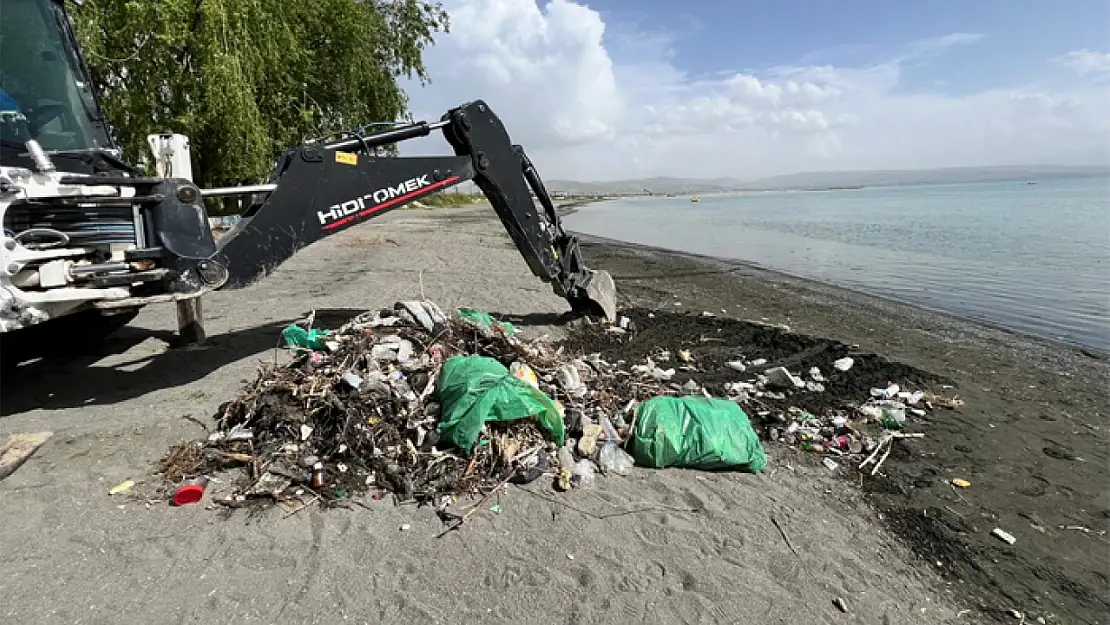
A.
pixel 146 253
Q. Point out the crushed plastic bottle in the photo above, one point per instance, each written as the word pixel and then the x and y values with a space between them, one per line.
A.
pixel 566 458
pixel 522 371
pixel 613 459
pixel 584 475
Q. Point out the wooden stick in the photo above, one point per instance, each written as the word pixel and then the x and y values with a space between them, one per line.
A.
pixel 883 459
pixel 882 441
pixel 785 537
pixel 302 507
pixel 525 454
pixel 485 497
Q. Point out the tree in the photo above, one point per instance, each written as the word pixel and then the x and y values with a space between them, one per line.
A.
pixel 247 79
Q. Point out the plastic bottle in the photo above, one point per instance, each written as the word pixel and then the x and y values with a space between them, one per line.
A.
pixel 584 473
pixel 566 459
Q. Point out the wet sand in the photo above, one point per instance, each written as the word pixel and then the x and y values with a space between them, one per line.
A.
pixel 1031 436
pixel 665 546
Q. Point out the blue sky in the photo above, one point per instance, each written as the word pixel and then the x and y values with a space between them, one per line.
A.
pixel 721 35
pixel 606 89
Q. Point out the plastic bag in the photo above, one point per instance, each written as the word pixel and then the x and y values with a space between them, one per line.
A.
pixel 697 433
pixel 613 459
pixel 584 473
pixel 474 390
pixel 296 336
pixel 482 320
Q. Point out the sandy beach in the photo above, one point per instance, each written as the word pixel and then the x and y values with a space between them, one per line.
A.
pixel 659 546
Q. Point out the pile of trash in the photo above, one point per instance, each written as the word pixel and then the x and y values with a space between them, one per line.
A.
pixel 427 407
pixel 822 403
pixel 847 434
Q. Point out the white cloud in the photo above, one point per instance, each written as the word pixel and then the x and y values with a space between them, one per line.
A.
pixel 549 75
pixel 1086 62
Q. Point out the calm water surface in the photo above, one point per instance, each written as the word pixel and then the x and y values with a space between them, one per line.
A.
pixel 1033 258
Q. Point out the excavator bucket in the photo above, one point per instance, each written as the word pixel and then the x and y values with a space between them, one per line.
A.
pixel 601 293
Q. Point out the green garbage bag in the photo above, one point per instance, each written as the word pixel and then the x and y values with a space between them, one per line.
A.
pixel 696 433
pixel 478 318
pixel 296 336
pixel 474 390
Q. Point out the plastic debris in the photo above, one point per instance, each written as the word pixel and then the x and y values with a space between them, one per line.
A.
pixel 352 380
pixel 843 364
pixel 961 482
pixel 422 407
pixel 894 417
pixel 696 432
pixel 521 371
pixel 191 491
pixel 781 378
pixel 122 487
pixel 476 390
pixel 298 337
pixel 584 473
pixel 571 381
pixel 1003 535
pixel 612 458
pixel 889 392
pixel 485 322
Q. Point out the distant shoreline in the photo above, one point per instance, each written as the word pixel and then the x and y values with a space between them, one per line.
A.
pixel 829 180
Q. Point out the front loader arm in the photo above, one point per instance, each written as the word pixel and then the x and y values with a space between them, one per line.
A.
pixel 322 189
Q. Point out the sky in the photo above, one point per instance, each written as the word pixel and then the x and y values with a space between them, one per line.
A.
pixel 619 89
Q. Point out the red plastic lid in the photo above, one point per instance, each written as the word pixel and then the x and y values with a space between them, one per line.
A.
pixel 188 493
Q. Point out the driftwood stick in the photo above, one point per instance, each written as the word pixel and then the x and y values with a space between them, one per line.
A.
pixel 485 497
pixel 883 459
pixel 785 537
pixel 878 448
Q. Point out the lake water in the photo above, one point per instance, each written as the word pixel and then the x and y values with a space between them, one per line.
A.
pixel 1032 258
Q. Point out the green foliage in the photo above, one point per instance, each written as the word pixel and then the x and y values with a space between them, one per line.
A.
pixel 246 79
pixel 451 200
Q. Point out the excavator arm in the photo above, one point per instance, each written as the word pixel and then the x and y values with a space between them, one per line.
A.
pixel 319 189
pixel 322 189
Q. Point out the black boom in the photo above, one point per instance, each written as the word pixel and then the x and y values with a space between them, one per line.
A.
pixel 321 189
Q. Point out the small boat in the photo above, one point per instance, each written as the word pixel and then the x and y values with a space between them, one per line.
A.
pixel 695 199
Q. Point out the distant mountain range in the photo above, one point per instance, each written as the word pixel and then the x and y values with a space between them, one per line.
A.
pixel 949 175
pixel 659 185
pixel 825 180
